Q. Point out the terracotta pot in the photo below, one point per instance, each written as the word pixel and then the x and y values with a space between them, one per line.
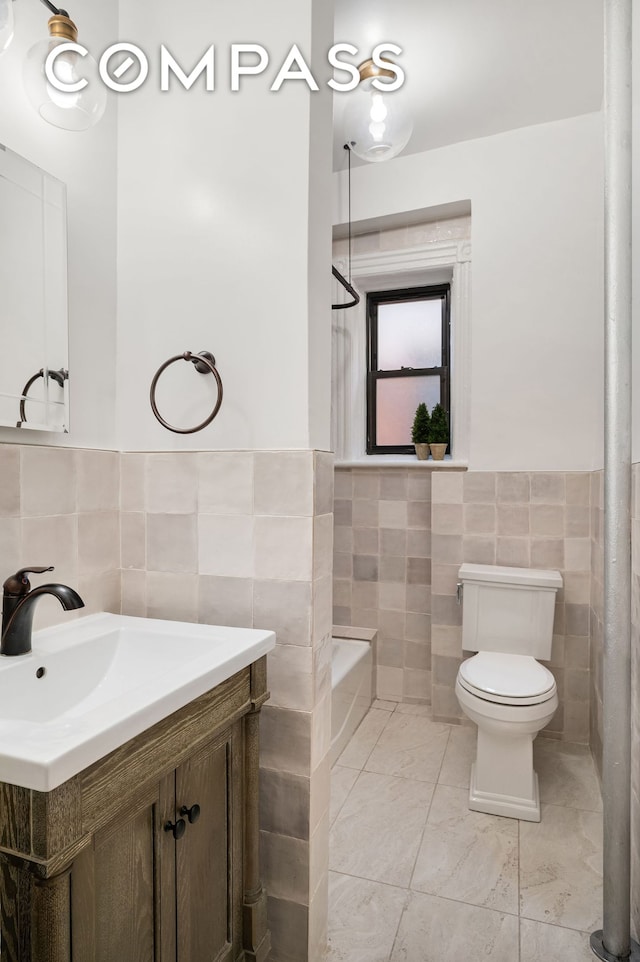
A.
pixel 438 451
pixel 422 451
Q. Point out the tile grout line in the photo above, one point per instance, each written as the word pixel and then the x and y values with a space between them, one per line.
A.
pixel 344 800
pixel 402 914
pixel 450 899
pixel 555 925
pixel 377 740
pixel 374 881
pixel 424 827
pixel 407 888
pixel 358 770
pixel 399 888
pixel 409 892
pixel 471 905
pixel 418 781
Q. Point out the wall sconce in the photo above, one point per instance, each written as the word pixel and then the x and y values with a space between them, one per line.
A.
pixel 77 110
pixel 376 124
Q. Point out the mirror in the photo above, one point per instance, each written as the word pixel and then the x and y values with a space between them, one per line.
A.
pixel 34 358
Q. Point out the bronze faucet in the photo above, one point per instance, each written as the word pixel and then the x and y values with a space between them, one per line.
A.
pixel 18 605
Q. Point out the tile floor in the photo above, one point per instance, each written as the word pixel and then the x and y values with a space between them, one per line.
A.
pixel 416 877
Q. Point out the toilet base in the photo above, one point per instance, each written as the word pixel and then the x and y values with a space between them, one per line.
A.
pixel 527 809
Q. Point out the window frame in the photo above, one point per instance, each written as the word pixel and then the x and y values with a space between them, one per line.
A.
pixel 417 293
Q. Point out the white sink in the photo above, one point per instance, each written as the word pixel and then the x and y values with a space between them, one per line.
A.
pixel 106 679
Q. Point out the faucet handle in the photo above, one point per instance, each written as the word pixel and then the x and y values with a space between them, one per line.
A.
pixel 18 584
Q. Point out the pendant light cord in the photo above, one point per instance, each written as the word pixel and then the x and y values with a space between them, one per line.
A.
pixel 348 149
pixel 54 10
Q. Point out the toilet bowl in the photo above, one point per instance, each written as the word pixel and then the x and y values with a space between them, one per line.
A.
pixel 503 781
pixel 508 620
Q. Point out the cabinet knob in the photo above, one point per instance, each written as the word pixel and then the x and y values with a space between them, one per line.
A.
pixel 178 828
pixel 193 813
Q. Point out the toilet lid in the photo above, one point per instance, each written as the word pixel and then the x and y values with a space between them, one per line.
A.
pixel 511 676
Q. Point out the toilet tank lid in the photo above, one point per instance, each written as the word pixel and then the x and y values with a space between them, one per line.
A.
pixel 535 577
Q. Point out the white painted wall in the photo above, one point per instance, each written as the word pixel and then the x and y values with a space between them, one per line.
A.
pixel 319 293
pixel 219 197
pixel 537 291
pixel 86 162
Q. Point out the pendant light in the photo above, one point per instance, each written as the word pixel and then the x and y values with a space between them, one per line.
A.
pixel 70 110
pixel 6 23
pixel 376 123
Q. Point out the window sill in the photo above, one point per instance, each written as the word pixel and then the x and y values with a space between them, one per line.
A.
pixel 402 461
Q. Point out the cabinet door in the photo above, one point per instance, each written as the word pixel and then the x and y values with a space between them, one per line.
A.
pixel 122 896
pixel 206 886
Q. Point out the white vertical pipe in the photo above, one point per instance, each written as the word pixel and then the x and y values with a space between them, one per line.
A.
pixel 617 482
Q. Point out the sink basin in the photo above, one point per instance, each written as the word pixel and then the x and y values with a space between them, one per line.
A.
pixel 90 685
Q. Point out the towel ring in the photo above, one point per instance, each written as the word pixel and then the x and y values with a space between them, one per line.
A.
pixel 204 363
pixel 58 376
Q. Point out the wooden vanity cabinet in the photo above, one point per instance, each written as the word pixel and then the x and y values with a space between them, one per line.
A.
pixel 149 855
pixel 184 891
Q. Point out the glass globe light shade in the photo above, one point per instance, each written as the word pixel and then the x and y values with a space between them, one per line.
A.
pixel 6 23
pixel 77 110
pixel 376 124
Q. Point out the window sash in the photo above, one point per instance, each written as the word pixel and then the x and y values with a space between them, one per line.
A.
pixel 435 292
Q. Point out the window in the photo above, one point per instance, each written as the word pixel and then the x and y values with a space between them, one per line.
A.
pixel 408 354
pixel 434 263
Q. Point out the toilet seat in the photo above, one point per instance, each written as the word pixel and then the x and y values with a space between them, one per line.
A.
pixel 506 679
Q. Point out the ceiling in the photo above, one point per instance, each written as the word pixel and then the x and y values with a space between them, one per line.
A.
pixel 479 67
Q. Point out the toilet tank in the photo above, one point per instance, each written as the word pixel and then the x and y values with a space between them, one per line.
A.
pixel 508 610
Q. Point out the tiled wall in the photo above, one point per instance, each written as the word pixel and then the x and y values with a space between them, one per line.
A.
pixel 237 538
pixel 59 506
pixel 434 520
pixel 243 538
pixel 532 521
pixel 382 571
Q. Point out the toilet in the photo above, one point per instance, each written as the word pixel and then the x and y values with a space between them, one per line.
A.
pixel 507 618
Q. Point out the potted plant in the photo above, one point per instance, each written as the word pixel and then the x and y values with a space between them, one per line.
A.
pixel 420 432
pixel 438 432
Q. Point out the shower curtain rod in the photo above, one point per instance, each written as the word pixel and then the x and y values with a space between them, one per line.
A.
pixel 334 270
pixel 348 288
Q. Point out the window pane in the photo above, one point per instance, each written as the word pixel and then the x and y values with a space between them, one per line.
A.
pixel 396 403
pixel 410 334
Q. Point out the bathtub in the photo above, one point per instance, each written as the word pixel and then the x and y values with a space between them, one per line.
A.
pixel 352 686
